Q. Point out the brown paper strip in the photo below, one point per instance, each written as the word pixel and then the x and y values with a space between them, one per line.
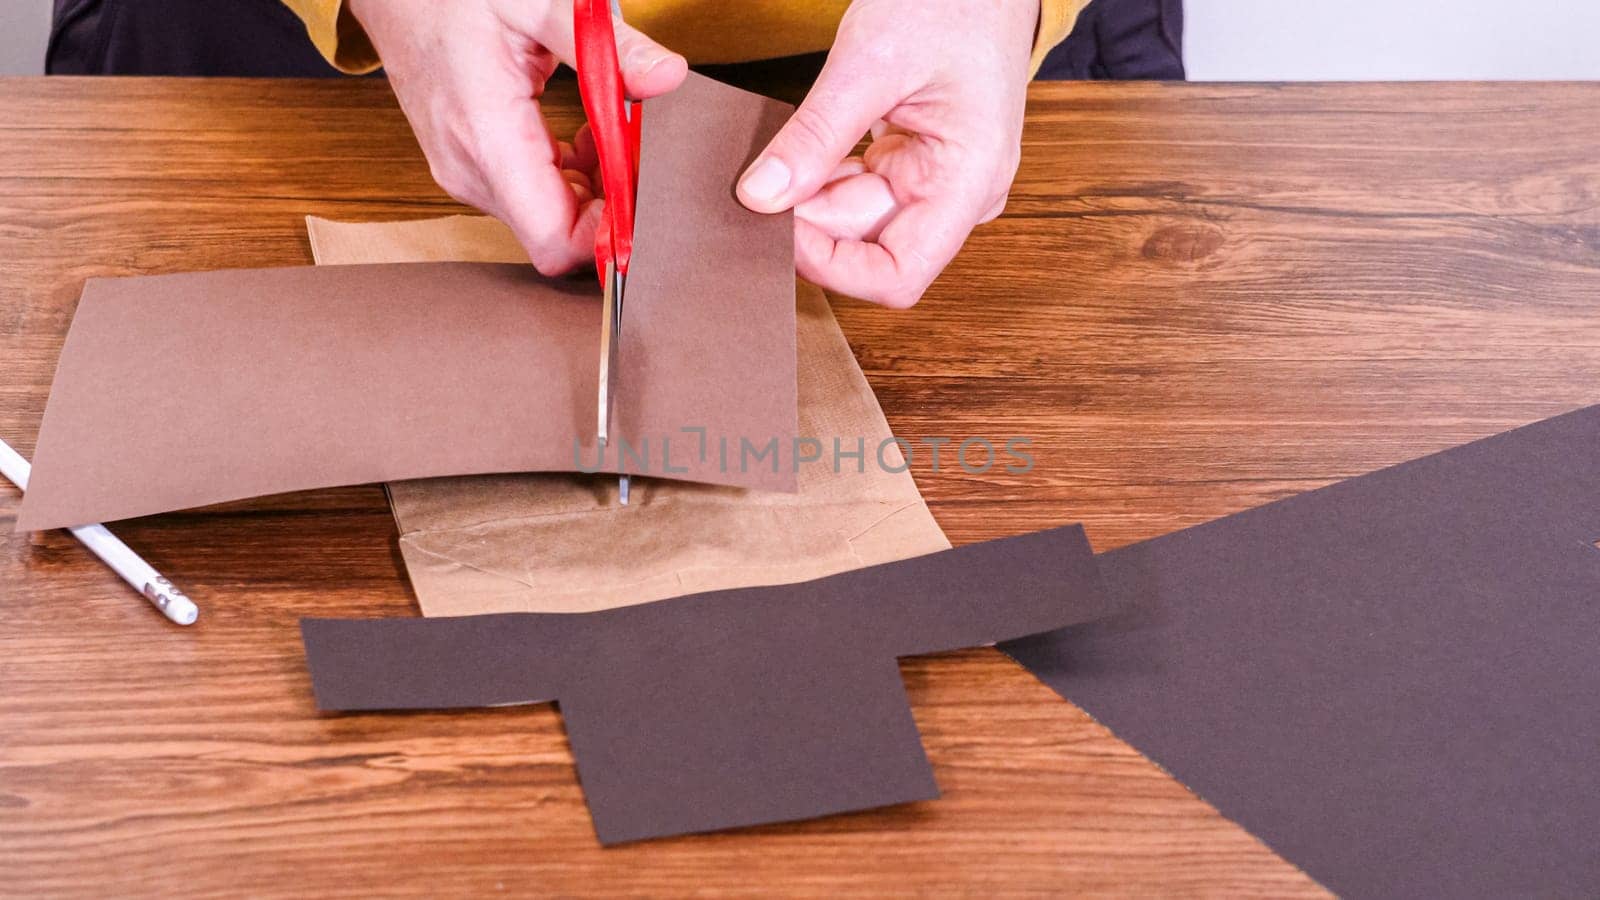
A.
pixel 182 390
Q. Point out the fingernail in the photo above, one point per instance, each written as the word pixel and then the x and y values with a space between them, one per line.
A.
pixel 766 180
pixel 644 57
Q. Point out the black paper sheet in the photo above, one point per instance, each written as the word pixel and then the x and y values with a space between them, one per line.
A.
pixel 1393 681
pixel 730 708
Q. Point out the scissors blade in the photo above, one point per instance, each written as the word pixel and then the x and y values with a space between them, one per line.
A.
pixel 619 284
pixel 614 305
pixel 609 325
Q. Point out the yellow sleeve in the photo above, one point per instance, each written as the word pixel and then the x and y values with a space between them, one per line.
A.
pixel 704 31
pixel 336 34
pixel 743 31
pixel 1056 18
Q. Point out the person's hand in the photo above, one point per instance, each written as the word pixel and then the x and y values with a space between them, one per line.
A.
pixel 469 73
pixel 941 86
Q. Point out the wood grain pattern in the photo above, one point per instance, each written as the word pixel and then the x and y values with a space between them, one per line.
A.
pixel 1201 299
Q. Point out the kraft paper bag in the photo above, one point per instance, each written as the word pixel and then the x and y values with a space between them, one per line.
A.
pixel 559 543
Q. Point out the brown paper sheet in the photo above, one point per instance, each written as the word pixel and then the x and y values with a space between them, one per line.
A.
pixel 1392 681
pixel 176 391
pixel 730 708
pixel 557 543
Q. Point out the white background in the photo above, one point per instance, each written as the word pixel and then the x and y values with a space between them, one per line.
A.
pixel 1399 40
pixel 24 27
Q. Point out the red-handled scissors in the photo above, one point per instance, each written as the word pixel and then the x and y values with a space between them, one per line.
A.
pixel 614 123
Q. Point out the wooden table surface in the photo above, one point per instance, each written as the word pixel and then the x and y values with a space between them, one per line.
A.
pixel 1200 299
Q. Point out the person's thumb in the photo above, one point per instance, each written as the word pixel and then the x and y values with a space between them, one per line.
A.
pixel 648 69
pixel 841 106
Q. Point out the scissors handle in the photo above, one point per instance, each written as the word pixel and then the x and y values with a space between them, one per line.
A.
pixel 616 133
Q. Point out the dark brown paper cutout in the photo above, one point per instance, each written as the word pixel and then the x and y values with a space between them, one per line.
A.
pixel 729 708
pixel 1393 681
pixel 175 391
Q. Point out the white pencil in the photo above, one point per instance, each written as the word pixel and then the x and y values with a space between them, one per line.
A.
pixel 113 552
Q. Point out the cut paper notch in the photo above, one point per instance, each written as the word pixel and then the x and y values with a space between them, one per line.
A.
pixel 731 708
pixel 253 382
pixel 1391 681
